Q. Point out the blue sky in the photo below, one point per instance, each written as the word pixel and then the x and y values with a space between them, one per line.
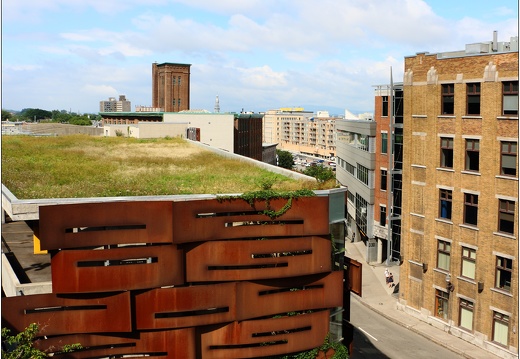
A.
pixel 255 55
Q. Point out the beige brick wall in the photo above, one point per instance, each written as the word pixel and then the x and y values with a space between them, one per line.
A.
pixel 422 126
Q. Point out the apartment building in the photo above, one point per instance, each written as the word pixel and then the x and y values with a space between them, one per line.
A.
pixel 297 130
pixel 113 105
pixel 356 153
pixel 171 86
pixel 460 193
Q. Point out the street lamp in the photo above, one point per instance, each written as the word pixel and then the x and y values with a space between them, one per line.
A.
pixel 449 285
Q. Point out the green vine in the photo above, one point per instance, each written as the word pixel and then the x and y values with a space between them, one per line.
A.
pixel 340 351
pixel 267 194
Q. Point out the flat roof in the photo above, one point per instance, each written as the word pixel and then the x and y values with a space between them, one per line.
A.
pixel 171 63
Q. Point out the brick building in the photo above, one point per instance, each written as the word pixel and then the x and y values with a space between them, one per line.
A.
pixel 460 193
pixel 171 86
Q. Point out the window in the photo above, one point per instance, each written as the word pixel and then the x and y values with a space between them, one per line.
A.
pixel 441 304
pixel 510 97
pixel 500 328
pixel 350 168
pixel 443 255
pixel 466 314
pixel 472 155
pixel 508 152
pixel 362 174
pixel 385 106
pixel 469 257
pixel 179 102
pixel 503 273
pixel 384 180
pixel 382 215
pixel 470 208
pixel 384 142
pixel 445 197
pixel 448 99
pixel 506 216
pixel 179 80
pixel 446 152
pixel 473 96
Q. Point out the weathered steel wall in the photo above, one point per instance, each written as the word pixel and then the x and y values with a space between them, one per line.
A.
pixel 194 279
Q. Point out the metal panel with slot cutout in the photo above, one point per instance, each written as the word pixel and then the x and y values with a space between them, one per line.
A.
pixel 265 337
pixel 127 268
pixel 258 259
pixel 67 314
pixel 95 224
pixel 197 221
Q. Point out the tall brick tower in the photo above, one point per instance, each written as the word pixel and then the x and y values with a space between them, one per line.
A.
pixel 171 86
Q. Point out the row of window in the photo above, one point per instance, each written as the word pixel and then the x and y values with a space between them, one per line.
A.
pixel 473 99
pixel 500 330
pixel 503 268
pixel 359 171
pixel 354 139
pixel 508 154
pixel 506 210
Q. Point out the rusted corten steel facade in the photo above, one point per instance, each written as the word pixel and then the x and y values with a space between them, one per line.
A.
pixel 192 279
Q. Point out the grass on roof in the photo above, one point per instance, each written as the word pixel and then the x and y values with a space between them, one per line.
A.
pixel 79 166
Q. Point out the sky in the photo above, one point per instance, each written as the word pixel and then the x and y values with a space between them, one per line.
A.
pixel 256 55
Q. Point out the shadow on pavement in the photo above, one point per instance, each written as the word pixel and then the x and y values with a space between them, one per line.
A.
pixel 364 349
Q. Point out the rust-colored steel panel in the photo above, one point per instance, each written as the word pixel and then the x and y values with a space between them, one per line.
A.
pixel 185 306
pixel 96 224
pixel 266 337
pixel 167 344
pixel 117 269
pixel 257 259
pixel 212 220
pixel 59 314
pixel 273 297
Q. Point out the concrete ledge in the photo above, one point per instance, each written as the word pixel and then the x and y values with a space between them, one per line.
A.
pixel 12 286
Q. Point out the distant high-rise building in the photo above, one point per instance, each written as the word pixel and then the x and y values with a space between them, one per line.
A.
pixel 217 106
pixel 171 86
pixel 113 105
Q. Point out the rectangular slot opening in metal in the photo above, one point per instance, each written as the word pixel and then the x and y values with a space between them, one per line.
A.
pixel 282 254
pixel 249 266
pixel 61 308
pixel 118 262
pixel 190 313
pixel 291 289
pixel 279 332
pixel 105 228
pixel 262 223
pixel 251 345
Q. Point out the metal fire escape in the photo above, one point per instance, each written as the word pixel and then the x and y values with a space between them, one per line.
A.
pixel 395 178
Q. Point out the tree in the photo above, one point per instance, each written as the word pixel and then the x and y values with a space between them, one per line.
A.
pixel 285 159
pixel 20 346
pixel 321 173
pixel 6 115
pixel 30 114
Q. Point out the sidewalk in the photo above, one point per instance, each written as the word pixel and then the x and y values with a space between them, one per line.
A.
pixel 380 298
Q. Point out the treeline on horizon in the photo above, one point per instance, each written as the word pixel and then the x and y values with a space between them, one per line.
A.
pixel 57 116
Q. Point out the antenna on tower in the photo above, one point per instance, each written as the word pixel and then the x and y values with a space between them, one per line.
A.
pixel 217 106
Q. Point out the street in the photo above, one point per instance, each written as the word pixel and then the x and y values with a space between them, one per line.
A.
pixel 375 337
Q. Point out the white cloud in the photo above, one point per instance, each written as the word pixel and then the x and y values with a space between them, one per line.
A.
pixel 262 77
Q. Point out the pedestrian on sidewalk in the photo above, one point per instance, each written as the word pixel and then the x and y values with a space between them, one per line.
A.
pixel 387 275
pixel 390 280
